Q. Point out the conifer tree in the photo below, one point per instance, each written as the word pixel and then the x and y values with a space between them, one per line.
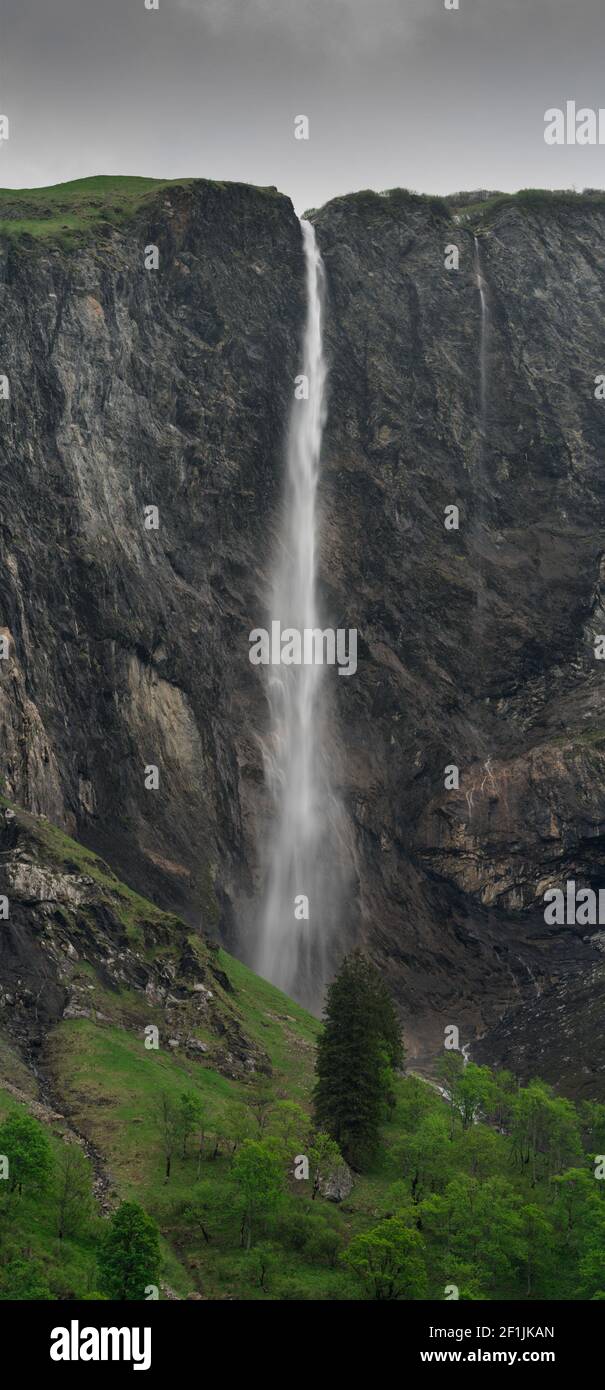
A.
pixel 360 1034
pixel 129 1255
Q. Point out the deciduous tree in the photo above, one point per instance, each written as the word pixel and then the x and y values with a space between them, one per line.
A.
pixel 258 1174
pixel 389 1259
pixel 29 1154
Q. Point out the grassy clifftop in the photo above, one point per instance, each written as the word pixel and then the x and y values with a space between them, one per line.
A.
pixel 66 211
pixel 68 214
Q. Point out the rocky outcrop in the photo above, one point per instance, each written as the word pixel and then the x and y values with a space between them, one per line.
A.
pixel 337 1186
pixel 128 647
pixel 517 828
pixel 77 944
pixel 556 1034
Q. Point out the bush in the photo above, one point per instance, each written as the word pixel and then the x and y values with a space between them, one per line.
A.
pixel 24 1281
pixel 290 1291
pixel 292 1229
pixel 324 1247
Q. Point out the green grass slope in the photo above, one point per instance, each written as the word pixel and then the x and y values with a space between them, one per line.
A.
pixel 65 212
pixel 506 1204
pixel 66 215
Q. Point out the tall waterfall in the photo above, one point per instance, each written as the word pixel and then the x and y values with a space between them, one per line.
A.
pixel 291 949
pixel 480 517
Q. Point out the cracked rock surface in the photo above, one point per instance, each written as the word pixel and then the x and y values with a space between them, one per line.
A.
pixel 476 648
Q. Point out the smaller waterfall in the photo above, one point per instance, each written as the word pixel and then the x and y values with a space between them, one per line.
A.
pixel 483 337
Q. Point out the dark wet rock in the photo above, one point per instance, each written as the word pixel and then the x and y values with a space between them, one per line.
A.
pixel 556 1034
pixel 129 647
pixel 476 647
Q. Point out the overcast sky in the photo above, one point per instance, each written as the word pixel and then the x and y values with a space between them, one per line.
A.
pixel 397 92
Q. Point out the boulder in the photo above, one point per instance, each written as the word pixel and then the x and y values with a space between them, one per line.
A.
pixel 337 1186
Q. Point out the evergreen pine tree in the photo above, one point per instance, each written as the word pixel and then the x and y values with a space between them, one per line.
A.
pixel 360 1033
pixel 129 1255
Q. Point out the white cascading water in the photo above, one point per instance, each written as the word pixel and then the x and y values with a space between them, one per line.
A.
pixel 483 338
pixel 480 526
pixel 480 523
pixel 291 952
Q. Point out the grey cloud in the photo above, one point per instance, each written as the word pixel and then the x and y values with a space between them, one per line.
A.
pixel 397 91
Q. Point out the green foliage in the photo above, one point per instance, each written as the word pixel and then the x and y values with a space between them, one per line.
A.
pixel 478 1223
pixel 325 1160
pixel 64 212
pixel 592 1256
pixel 261 1101
pixel 25 1145
pixel 389 1260
pixel 481 212
pixel 498 1209
pixel 498 1186
pixel 176 1118
pixel 415 1099
pixel 480 1152
pixel 288 1127
pixel 545 1131
pixel 73 1189
pixel 293 1227
pixel 384 1020
pixel 258 1175
pixel 360 1041
pixel 292 1291
pixel 592 1121
pixel 190 1118
pixel 538 1242
pixel 263 1263
pixel 424 1157
pixel 129 1256
pixel 575 1198
pixel 501 1101
pixel 238 1125
pixel 325 1241
pixel 24 1280
pixel 470 1088
pixel 198 1211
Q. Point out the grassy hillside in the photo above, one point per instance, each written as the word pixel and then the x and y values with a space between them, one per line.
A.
pixel 499 1185
pixel 67 214
pixel 481 211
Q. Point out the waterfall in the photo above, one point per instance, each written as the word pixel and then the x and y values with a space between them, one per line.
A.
pixel 302 849
pixel 480 520
pixel 483 338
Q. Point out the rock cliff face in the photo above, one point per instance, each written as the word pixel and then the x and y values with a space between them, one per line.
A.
pixel 133 388
pixel 128 647
pixel 478 644
pixel 78 944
